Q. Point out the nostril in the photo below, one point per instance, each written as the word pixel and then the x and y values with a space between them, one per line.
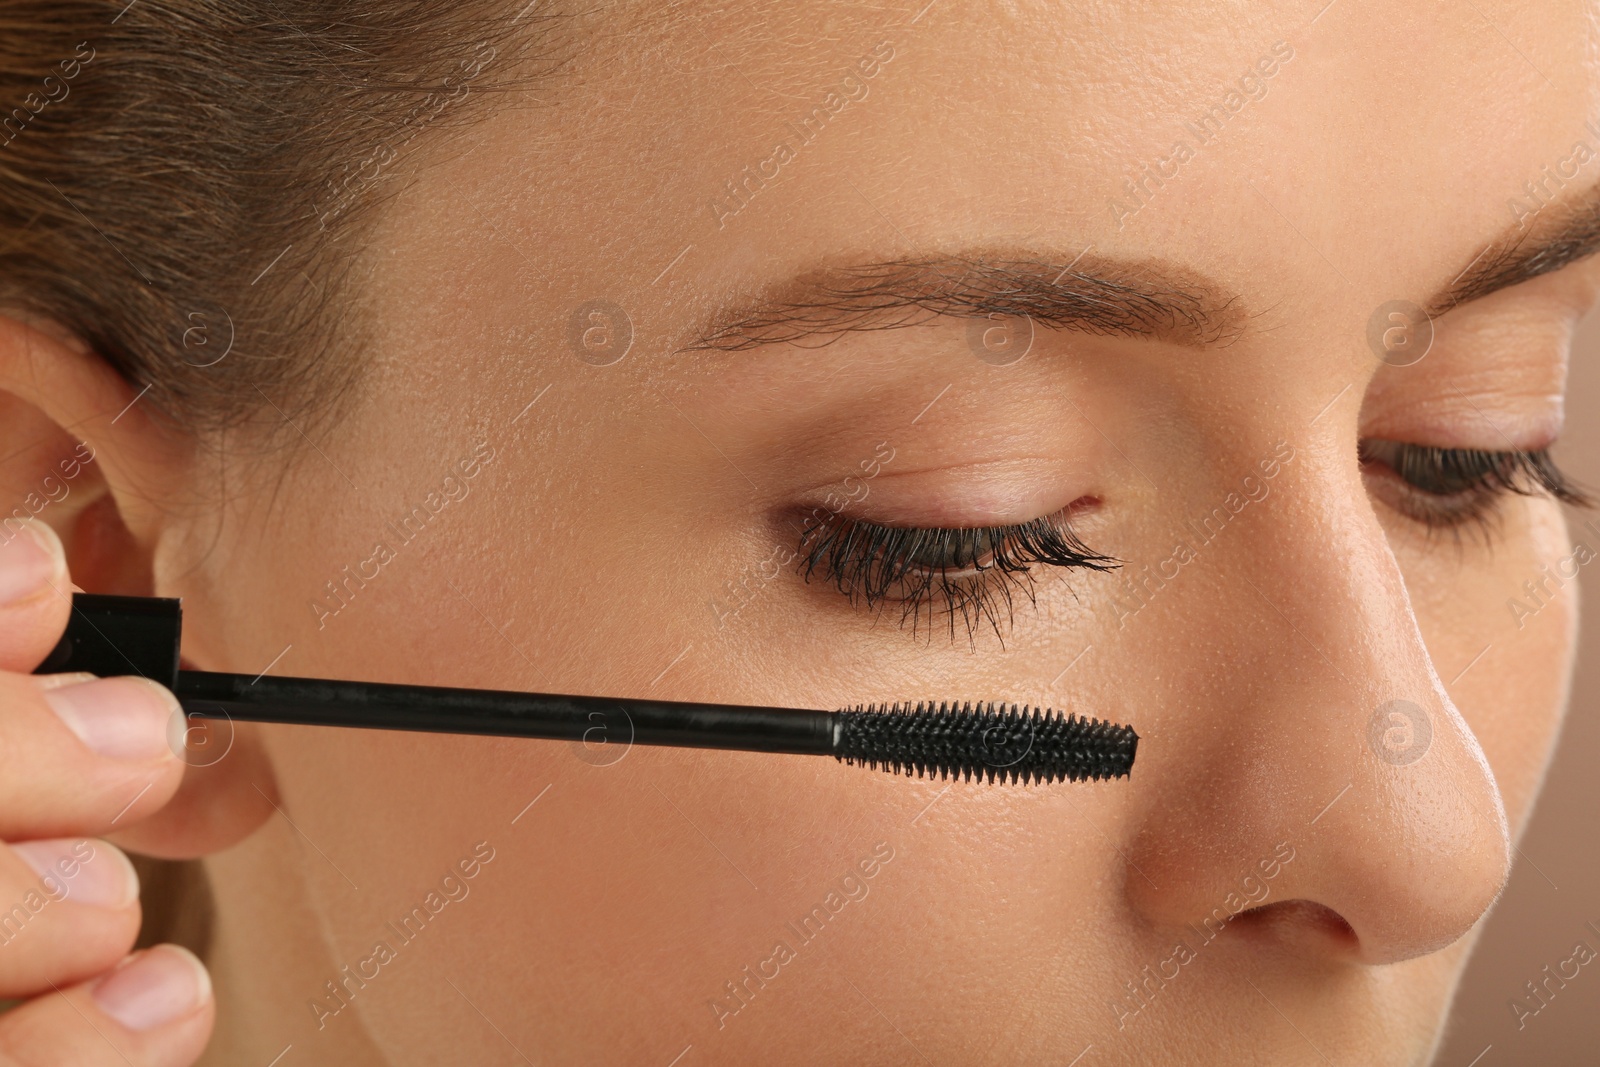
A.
pixel 1301 925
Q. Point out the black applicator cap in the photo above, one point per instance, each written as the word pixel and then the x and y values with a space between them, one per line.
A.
pixel 116 635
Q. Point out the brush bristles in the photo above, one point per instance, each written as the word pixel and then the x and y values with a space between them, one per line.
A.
pixel 988 741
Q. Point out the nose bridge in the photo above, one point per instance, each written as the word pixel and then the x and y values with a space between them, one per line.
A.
pixel 1320 726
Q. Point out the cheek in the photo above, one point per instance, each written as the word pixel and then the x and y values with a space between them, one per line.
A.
pixel 1503 651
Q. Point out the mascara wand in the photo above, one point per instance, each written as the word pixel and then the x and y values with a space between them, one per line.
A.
pixel 118 635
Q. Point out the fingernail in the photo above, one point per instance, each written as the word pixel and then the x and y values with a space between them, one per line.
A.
pixel 31 560
pixel 153 988
pixel 89 872
pixel 120 718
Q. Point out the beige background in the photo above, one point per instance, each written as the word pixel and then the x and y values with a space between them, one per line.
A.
pixel 1555 890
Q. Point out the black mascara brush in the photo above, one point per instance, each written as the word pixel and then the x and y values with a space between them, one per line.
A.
pixel 112 635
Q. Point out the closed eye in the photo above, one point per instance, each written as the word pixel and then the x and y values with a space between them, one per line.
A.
pixel 971 573
pixel 1448 488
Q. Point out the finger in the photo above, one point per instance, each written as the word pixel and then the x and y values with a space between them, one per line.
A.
pixel 155 1009
pixel 82 755
pixel 70 912
pixel 35 593
pixel 229 789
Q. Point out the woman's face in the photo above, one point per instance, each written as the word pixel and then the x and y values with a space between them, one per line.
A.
pixel 1221 226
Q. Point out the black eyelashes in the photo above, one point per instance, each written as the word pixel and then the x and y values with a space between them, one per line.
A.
pixel 974 574
pixel 1448 488
pixel 970 573
pixel 1446 471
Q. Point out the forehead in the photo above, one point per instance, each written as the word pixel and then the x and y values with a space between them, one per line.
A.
pixel 1094 90
pixel 1366 151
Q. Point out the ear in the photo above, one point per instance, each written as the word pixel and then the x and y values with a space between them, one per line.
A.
pixel 81 450
pixel 80 454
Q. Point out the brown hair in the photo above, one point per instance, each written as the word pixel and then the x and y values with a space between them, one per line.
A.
pixel 180 180
pixel 181 186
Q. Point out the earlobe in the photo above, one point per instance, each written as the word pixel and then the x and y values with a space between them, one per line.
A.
pixel 228 791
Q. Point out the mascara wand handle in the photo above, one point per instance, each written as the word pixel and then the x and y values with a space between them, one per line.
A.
pixel 114 635
pixel 594 720
pixel 110 635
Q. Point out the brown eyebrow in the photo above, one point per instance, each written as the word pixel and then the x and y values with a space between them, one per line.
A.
pixel 1568 230
pixel 1093 294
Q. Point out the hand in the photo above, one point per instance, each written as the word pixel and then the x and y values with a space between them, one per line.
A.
pixel 80 756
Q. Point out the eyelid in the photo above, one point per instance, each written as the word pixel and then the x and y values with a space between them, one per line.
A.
pixel 1003 492
pixel 1494 376
pixel 1485 420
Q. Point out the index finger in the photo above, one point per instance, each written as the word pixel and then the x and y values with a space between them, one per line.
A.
pixel 35 593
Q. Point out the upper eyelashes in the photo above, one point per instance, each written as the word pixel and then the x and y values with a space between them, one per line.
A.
pixel 966 572
pixel 1446 488
pixel 973 573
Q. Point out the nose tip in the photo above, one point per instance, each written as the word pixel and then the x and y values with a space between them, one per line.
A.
pixel 1329 850
pixel 1424 851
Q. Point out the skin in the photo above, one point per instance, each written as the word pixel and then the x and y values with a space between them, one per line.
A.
pixel 1007 923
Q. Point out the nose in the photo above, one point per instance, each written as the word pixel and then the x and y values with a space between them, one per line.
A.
pixel 1309 778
